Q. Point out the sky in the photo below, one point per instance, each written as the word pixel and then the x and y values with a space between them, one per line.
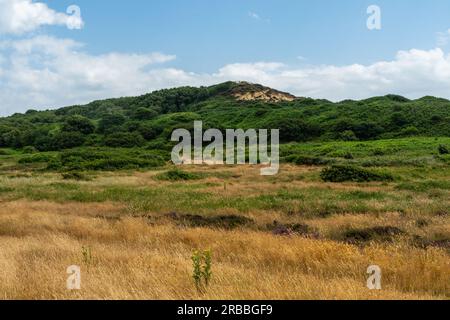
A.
pixel 59 53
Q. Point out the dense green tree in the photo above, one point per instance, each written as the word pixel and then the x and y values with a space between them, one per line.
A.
pixel 295 129
pixel 348 135
pixel 144 114
pixel 44 143
pixel 78 124
pixel 154 116
pixel 68 140
pixel 343 124
pixel 149 131
pixel 110 122
pixel 124 140
pixel 409 132
pixel 367 130
pixel 11 139
pixel 399 119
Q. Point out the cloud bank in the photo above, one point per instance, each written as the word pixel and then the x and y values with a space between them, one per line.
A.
pixel 42 71
pixel 21 16
pixel 47 72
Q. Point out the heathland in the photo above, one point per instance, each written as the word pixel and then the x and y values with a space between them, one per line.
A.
pixel 361 183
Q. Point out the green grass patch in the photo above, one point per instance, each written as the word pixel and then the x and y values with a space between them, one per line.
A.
pixel 424 186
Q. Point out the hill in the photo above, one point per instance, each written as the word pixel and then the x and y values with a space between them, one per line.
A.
pixel 148 120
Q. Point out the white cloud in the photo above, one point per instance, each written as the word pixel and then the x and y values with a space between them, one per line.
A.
pixel 254 15
pixel 21 16
pixel 413 73
pixel 47 72
pixel 443 38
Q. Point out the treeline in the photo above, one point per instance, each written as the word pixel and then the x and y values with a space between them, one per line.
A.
pixel 148 120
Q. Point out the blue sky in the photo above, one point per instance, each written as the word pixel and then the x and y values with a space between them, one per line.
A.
pixel 207 34
pixel 319 48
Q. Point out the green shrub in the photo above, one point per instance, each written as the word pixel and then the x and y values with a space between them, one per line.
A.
pixel 348 135
pixel 341 154
pixel 178 175
pixel 78 124
pixel 348 156
pixel 75 175
pixel 294 129
pixel 202 270
pixel 111 122
pixel 124 140
pixel 443 150
pixel 228 222
pixel 144 114
pixel 384 234
pixel 347 173
pixel 444 158
pixel 307 161
pixel 68 140
pixel 37 158
pixel 109 160
pixel 378 152
pixel 86 252
pixel 29 150
pixel 54 164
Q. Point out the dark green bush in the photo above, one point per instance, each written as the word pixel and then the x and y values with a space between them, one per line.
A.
pixel 347 173
pixel 443 149
pixel 75 175
pixel 384 234
pixel 149 131
pixel 54 164
pixel 294 129
pixel 78 124
pixel 68 140
pixel 29 149
pixel 37 158
pixel 410 131
pixel 110 122
pixel 109 160
pixel 307 161
pixel 144 114
pixel 348 156
pixel 124 140
pixel 227 222
pixel 348 135
pixel 178 175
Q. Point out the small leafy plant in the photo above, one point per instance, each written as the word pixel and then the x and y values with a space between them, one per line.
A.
pixel 202 269
pixel 87 256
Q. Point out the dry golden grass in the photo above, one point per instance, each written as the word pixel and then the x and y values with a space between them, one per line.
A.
pixel 135 260
pixel 144 254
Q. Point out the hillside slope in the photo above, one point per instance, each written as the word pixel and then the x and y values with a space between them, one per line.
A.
pixel 150 119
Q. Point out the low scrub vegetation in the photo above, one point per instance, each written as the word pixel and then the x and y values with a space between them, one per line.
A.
pixel 142 121
pixel 105 160
pixel 381 234
pixel 179 175
pixel 75 175
pixel 92 186
pixel 346 173
pixel 228 222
